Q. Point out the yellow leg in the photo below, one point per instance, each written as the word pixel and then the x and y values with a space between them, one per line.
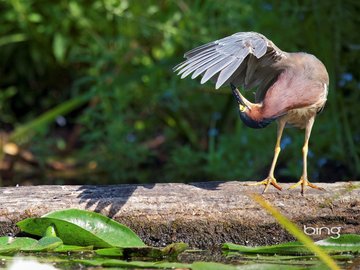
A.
pixel 270 180
pixel 304 180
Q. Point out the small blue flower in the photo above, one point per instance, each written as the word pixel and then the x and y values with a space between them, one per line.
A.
pixel 345 78
pixel 285 142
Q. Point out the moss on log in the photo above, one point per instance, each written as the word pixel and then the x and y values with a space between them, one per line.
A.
pixel 201 214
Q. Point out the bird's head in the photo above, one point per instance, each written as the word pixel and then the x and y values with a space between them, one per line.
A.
pixel 250 113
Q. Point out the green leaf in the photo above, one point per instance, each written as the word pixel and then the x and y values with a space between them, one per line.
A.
pixel 111 252
pixel 59 47
pixel 291 248
pixel 50 231
pixel 13 244
pixel 13 38
pixel 342 240
pixel 35 17
pixel 83 228
pixel 132 264
pixel 105 228
pixel 69 233
pixel 345 243
pixel 72 248
pixel 10 244
pixel 295 231
pixel 46 243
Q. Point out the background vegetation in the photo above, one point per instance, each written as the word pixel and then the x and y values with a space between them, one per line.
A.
pixel 87 92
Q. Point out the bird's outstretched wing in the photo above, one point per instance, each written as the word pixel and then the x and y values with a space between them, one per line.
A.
pixel 245 59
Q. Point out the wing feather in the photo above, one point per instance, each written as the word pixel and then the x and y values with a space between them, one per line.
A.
pixel 206 66
pixel 202 61
pixel 227 72
pixel 195 59
pixel 247 59
pixel 216 68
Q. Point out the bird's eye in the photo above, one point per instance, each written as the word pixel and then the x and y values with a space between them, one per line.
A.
pixel 242 108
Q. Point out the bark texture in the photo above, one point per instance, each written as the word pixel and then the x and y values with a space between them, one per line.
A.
pixel 203 215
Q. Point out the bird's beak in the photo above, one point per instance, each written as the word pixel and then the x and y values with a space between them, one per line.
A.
pixel 242 101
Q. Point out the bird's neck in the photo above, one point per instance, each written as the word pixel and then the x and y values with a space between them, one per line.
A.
pixel 250 113
pixel 252 116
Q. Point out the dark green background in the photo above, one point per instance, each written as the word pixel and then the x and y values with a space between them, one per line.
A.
pixel 142 123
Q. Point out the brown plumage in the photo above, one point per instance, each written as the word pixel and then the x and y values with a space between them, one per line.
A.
pixel 290 87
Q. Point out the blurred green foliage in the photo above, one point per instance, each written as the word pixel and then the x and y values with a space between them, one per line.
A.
pixel 142 123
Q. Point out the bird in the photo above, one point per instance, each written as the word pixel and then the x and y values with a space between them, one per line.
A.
pixel 290 88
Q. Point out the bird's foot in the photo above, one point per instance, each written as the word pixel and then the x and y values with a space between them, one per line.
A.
pixel 305 182
pixel 267 182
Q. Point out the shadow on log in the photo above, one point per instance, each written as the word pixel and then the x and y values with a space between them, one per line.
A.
pixel 204 215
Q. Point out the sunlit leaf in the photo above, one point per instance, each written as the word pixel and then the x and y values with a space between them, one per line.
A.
pixel 4 40
pixel 344 240
pixel 65 231
pixel 83 228
pixel 112 232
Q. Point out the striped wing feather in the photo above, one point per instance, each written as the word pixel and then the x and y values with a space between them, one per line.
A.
pixel 246 59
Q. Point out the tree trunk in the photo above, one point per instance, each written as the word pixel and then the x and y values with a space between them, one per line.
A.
pixel 203 215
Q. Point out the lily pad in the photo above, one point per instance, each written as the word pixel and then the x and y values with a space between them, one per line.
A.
pixel 47 243
pixel 14 244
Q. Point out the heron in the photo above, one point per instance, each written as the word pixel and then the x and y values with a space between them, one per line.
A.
pixel 291 88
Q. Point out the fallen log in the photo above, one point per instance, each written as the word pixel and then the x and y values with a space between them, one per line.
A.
pixel 204 215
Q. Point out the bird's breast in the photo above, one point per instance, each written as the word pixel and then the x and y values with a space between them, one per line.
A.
pixel 299 117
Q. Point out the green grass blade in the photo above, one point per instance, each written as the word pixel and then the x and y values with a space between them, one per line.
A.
pixel 296 232
pixel 13 38
pixel 26 131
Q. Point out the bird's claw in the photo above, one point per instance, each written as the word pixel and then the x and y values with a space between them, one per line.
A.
pixel 267 182
pixel 305 182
